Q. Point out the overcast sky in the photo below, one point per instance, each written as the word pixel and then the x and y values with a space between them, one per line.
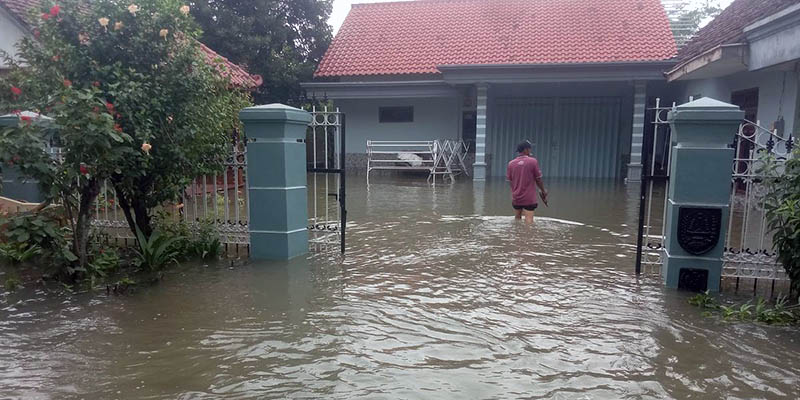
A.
pixel 342 7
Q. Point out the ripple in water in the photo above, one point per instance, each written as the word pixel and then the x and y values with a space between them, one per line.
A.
pixel 426 304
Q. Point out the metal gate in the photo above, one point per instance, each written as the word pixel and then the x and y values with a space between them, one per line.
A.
pixel 748 246
pixel 326 161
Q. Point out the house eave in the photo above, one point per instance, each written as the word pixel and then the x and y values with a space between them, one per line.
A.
pixel 773 23
pixel 379 89
pixel 718 61
pixel 555 72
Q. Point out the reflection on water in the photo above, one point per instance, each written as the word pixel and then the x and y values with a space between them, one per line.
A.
pixel 441 295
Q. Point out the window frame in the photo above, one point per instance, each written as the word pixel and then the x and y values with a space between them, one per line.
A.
pixel 385 114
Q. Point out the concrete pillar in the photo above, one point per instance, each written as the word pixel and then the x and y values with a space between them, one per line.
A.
pixel 637 131
pixel 479 167
pixel 276 175
pixel 699 193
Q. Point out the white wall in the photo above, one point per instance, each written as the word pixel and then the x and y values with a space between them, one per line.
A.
pixel 771 92
pixel 434 118
pixel 10 33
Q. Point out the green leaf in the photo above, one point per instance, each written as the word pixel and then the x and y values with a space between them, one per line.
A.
pixel 69 255
pixel 22 236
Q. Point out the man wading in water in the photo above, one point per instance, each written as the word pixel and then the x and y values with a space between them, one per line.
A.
pixel 523 172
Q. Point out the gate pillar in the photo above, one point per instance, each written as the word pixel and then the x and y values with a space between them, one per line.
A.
pixel 699 193
pixel 276 178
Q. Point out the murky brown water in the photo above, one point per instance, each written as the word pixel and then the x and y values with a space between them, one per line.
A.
pixel 441 295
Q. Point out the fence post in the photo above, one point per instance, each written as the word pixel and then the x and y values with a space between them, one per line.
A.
pixel 276 175
pixel 699 193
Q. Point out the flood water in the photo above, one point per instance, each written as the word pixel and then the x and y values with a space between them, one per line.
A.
pixel 441 295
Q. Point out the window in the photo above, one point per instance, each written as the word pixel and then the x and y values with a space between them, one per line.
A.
pixel 395 114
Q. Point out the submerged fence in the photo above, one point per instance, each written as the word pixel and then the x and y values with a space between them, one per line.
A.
pixel 218 202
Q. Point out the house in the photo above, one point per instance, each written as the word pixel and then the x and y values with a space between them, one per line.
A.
pixel 749 56
pixel 14 25
pixel 571 76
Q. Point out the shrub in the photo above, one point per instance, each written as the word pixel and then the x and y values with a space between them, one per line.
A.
pixel 201 241
pixel 206 243
pixel 18 253
pixel 135 102
pixel 156 251
pixel 104 261
pixel 29 234
pixel 782 205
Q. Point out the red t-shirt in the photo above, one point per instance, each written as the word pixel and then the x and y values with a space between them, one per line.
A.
pixel 522 172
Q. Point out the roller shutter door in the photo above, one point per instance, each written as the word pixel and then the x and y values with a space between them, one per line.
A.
pixel 576 137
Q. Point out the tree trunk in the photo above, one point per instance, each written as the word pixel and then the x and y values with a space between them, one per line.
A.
pixel 142 217
pixel 83 225
pixel 125 205
pixel 135 211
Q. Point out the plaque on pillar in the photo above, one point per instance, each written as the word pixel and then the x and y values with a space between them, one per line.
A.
pixel 698 229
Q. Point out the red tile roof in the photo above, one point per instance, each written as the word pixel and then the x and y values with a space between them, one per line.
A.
pixel 238 75
pixel 414 37
pixel 729 25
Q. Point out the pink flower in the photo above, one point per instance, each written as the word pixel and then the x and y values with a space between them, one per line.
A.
pixel 110 107
pixel 25 118
pixel 67 83
pixel 146 147
pixel 96 84
pixel 16 91
pixel 46 16
pixel 117 128
pixel 84 170
pixel 54 10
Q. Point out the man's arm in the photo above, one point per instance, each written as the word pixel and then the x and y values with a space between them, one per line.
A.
pixel 542 190
pixel 537 174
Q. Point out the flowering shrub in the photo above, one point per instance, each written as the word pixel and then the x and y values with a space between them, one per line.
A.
pixel 782 205
pixel 133 98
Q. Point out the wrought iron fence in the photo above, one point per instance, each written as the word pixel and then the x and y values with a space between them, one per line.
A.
pixel 748 246
pixel 218 201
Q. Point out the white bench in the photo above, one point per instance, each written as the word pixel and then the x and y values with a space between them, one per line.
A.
pixel 396 155
pixel 443 157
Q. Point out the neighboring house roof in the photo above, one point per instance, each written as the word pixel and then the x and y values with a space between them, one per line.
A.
pixel 238 75
pixel 414 37
pixel 728 27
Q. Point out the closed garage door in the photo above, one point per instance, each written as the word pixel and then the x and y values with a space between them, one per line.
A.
pixel 571 136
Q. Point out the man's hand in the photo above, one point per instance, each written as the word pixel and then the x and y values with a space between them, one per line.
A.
pixel 543 195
